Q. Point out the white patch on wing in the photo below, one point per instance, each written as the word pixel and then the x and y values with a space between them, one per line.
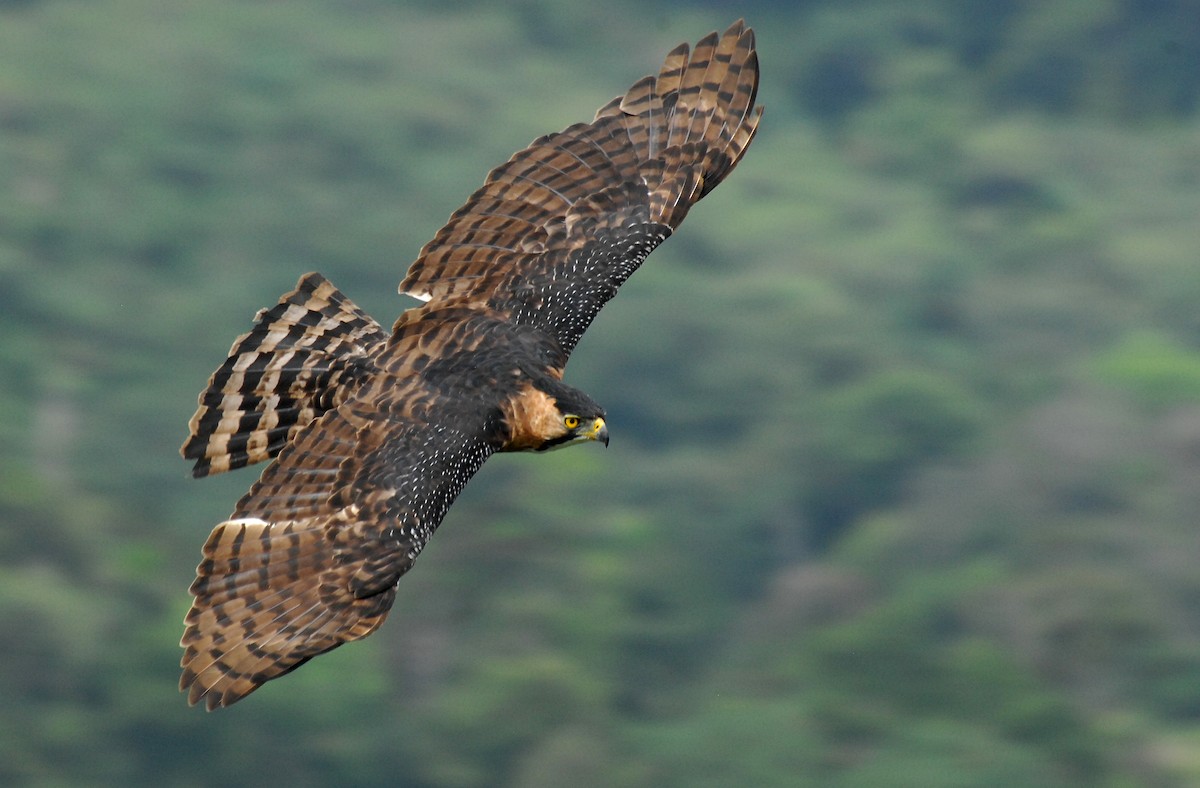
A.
pixel 246 521
pixel 422 295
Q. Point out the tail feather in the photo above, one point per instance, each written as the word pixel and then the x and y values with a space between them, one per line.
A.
pixel 303 356
pixel 268 598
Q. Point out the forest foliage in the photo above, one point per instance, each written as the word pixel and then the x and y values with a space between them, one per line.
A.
pixel 906 418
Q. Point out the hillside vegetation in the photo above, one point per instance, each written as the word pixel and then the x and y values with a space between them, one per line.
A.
pixel 903 485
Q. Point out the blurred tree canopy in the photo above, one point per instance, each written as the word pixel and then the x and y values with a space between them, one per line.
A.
pixel 903 485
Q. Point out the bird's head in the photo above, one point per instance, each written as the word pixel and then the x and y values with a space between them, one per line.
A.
pixel 576 429
pixel 577 419
pixel 549 415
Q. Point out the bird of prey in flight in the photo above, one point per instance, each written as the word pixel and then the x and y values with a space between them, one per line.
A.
pixel 373 433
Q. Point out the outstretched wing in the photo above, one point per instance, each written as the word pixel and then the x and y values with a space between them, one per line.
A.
pixel 311 555
pixel 557 229
pixel 311 558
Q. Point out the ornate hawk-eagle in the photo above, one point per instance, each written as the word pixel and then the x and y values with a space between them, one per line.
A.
pixel 374 433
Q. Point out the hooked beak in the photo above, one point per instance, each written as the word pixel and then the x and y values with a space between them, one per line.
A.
pixel 600 432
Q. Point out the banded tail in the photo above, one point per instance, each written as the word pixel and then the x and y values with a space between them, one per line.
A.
pixel 303 356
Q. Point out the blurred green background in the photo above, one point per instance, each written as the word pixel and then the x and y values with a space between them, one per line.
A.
pixel 903 488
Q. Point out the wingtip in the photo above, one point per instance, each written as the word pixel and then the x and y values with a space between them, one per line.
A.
pixel 198 696
pixel 207 692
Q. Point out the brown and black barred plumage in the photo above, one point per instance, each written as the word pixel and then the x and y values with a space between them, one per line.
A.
pixel 373 434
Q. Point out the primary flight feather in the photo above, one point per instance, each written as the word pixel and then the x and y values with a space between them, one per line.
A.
pixel 373 434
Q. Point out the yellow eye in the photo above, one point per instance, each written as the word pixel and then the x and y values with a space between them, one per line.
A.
pixel 571 422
